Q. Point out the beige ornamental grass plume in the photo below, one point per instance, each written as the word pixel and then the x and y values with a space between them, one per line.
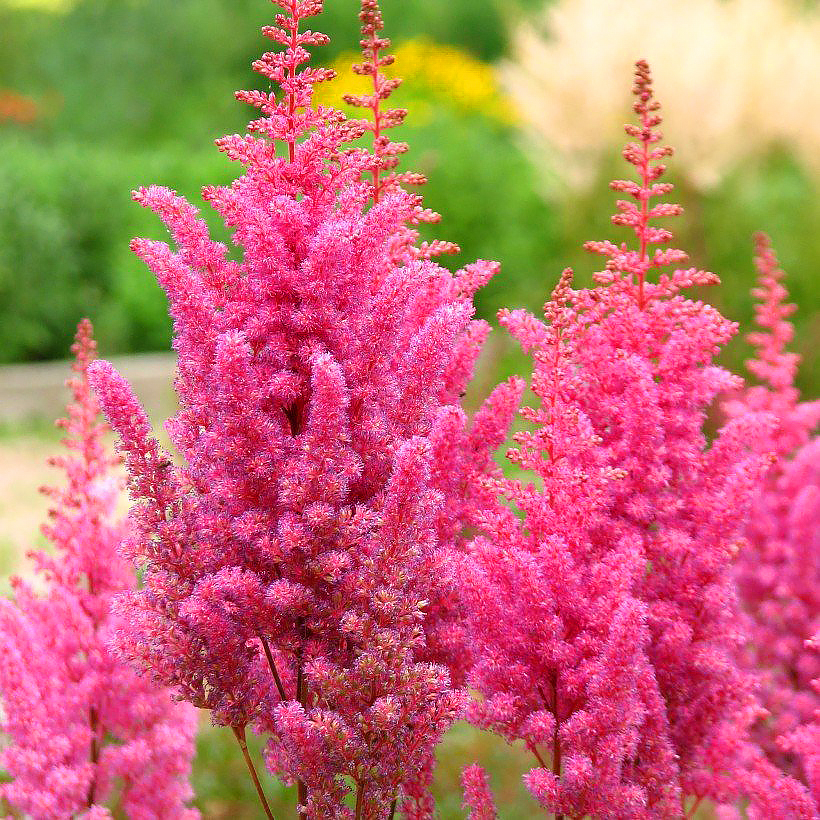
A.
pixel 745 71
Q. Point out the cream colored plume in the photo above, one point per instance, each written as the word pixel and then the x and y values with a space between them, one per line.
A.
pixel 734 77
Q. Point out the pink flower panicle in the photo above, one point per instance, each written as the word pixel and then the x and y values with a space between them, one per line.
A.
pixel 84 732
pixel 478 798
pixel 607 619
pixel 386 152
pixel 558 638
pixel 774 366
pixel 651 352
pixel 294 563
pixel 778 571
pixel 292 117
pixel 804 740
pixel 645 154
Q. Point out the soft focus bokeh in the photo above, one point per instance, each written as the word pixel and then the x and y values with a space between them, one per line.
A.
pixel 515 113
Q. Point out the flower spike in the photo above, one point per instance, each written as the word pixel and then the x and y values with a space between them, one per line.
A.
pixel 646 155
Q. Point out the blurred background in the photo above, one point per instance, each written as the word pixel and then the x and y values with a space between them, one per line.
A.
pixel 516 109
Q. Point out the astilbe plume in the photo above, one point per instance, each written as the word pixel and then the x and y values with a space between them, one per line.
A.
pixel 804 741
pixel 291 562
pixel 778 569
pixel 559 638
pixel 384 158
pixel 620 589
pixel 83 730
pixel 651 380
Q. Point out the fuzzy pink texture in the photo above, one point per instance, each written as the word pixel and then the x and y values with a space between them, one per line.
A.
pixel 606 619
pixel 477 796
pixel 804 741
pixel 84 731
pixel 778 570
pixel 293 565
pixel 558 637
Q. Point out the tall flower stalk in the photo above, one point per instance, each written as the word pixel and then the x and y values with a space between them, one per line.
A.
pixel 293 564
pixel 86 735
pixel 606 619
pixel 778 569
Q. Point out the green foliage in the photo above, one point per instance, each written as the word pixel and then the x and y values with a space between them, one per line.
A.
pixel 56 226
pixel 64 230
pixel 485 188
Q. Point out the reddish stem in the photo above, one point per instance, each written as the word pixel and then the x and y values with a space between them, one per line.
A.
pixel 644 171
pixel 300 696
pixel 691 812
pixel 272 665
pixel 377 126
pixel 556 737
pixel 294 35
pixel 360 800
pixel 534 750
pixel 239 734
pixel 94 756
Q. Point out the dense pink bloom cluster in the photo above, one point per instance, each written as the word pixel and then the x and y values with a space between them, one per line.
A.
pixel 293 565
pixel 335 559
pixel 605 622
pixel 559 637
pixel 778 570
pixel 804 741
pixel 84 731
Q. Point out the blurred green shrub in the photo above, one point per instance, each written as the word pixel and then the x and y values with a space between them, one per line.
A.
pixel 65 220
pixel 149 70
pixel 56 224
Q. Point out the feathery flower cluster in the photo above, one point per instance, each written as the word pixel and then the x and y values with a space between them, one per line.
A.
pixel 805 739
pixel 336 556
pixel 293 565
pixel 84 730
pixel 606 621
pixel 558 636
pixel 778 570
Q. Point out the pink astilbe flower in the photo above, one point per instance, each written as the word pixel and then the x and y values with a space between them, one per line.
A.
pixel 293 566
pixel 804 741
pixel 650 379
pixel 606 618
pixel 557 635
pixel 778 570
pixel 84 731
pixel 478 798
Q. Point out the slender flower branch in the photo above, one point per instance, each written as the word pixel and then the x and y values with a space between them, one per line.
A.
pixel 279 687
pixel 239 734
